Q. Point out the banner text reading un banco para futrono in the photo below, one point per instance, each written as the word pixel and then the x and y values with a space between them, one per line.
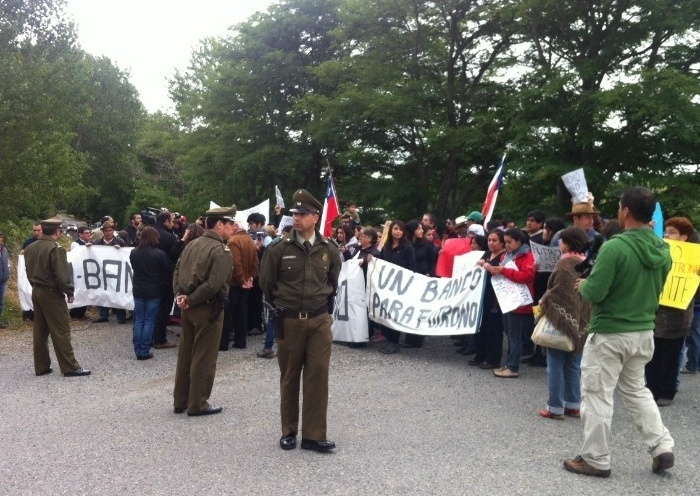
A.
pixel 409 302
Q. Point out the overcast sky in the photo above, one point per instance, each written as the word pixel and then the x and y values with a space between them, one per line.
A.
pixel 152 38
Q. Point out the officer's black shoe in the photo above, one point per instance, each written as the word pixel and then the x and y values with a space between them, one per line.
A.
pixel 44 372
pixel 288 442
pixel 77 373
pixel 321 446
pixel 178 410
pixel 210 410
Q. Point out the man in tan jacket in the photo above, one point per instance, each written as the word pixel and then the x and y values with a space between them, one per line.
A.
pixel 244 255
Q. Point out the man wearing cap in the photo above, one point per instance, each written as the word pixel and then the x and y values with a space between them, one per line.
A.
pixel 49 274
pixel 299 276
pixel 200 285
pixel 474 218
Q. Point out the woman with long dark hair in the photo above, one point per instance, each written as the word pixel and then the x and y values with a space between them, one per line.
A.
pixel 150 267
pixel 426 257
pixel 519 322
pixel 399 251
pixel 489 339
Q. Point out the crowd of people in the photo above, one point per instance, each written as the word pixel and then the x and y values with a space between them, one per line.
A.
pixel 262 286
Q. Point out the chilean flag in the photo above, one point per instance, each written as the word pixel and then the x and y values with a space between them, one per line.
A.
pixel 492 193
pixel 331 209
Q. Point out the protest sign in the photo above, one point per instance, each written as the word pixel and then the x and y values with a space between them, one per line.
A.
pixel 417 304
pixel 575 183
pixel 261 208
pixel 510 295
pixel 278 197
pixel 286 220
pixel 462 263
pixel 682 281
pixel 350 310
pixel 545 256
pixel 101 274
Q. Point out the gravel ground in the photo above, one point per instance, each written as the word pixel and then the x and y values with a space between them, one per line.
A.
pixel 422 422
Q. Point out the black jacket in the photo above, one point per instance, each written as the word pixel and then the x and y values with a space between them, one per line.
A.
pixel 403 255
pixel 151 269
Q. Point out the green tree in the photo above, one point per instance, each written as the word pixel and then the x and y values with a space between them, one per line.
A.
pixel 237 105
pixel 40 88
pixel 608 86
pixel 418 97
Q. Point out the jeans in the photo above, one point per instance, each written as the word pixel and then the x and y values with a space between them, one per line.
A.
pixel 145 314
pixel 693 343
pixel 564 380
pixel 269 335
pixel 516 326
pixel 3 289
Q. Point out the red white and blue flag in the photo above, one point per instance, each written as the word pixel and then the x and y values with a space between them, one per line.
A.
pixel 492 192
pixel 331 209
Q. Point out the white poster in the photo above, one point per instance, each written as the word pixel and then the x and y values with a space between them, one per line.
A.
pixel 262 208
pixel 575 182
pixel 101 274
pixel 278 196
pixel 417 304
pixel 350 311
pixel 462 263
pixel 510 295
pixel 286 220
pixel 545 256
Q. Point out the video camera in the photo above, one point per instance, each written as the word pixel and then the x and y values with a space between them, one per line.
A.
pixel 257 235
pixel 148 215
pixel 584 268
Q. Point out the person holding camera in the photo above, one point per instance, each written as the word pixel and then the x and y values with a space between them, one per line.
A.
pixel 623 288
pixel 200 284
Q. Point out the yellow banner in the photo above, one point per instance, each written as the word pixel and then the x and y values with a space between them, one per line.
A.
pixel 683 280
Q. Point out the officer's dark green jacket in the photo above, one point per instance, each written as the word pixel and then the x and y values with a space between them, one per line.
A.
pixel 296 280
pixel 48 267
pixel 203 269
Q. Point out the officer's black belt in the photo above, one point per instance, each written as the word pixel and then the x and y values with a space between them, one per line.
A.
pixel 289 314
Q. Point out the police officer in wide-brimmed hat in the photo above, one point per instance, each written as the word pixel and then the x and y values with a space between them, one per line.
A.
pixel 299 276
pixel 200 285
pixel 49 274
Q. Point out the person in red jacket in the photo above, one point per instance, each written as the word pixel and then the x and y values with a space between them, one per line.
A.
pixel 519 322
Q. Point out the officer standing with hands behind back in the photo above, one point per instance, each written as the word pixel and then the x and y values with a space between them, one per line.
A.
pixel 49 274
pixel 200 285
pixel 299 277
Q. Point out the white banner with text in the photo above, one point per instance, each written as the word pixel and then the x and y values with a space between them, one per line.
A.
pixel 418 304
pixel 102 276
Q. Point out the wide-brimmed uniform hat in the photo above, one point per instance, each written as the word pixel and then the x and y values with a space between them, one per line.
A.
pixel 304 202
pixel 223 213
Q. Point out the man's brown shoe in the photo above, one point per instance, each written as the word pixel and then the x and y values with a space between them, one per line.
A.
pixel 662 462
pixel 579 466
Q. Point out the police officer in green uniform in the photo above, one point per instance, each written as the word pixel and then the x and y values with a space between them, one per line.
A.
pixel 299 276
pixel 50 275
pixel 200 285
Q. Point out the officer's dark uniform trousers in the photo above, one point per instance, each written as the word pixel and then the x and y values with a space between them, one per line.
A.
pixel 196 358
pixel 307 343
pixel 51 318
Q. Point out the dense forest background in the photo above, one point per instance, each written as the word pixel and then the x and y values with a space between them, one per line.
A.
pixel 412 103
